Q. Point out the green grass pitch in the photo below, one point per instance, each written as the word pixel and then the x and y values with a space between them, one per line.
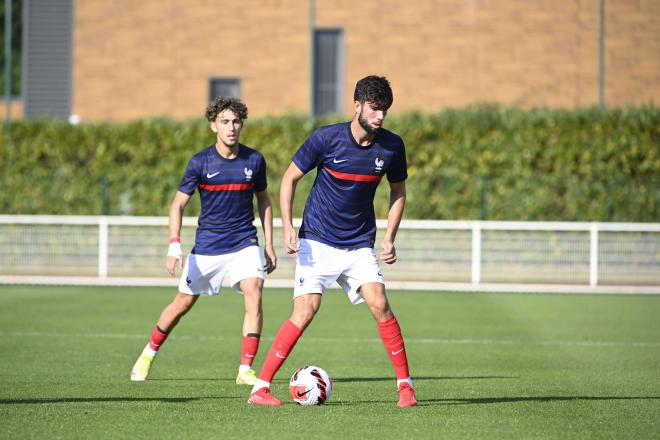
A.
pixel 485 366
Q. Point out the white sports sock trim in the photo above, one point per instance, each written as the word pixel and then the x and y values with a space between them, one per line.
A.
pixel 242 368
pixel 407 380
pixel 260 384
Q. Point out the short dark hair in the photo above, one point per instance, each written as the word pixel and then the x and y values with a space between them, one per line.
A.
pixel 221 103
pixel 375 90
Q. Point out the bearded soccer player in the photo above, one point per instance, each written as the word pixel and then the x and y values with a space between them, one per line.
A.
pixel 226 174
pixel 338 231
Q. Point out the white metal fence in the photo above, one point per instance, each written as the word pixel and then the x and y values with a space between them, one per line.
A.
pixel 480 254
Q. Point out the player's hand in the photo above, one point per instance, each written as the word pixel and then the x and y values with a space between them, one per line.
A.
pixel 174 255
pixel 388 255
pixel 291 240
pixel 271 259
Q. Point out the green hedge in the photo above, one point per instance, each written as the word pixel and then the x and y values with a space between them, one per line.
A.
pixel 481 162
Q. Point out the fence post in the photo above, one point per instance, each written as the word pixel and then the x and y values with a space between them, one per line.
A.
pixel 103 247
pixel 593 256
pixel 105 203
pixel 476 253
pixel 610 203
pixel 483 198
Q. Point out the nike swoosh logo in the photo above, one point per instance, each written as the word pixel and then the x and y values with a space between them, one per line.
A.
pixel 209 175
pixel 279 355
pixel 338 161
pixel 299 394
pixel 396 352
pixel 249 355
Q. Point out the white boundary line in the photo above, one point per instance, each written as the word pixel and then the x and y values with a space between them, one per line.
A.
pixel 396 285
pixel 512 342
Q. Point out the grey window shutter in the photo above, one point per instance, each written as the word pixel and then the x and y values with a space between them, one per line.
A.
pixel 328 71
pixel 47 58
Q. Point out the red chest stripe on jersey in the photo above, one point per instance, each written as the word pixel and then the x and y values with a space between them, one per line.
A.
pixel 353 177
pixel 228 187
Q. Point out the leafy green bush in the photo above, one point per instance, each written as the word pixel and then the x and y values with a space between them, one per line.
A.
pixel 485 162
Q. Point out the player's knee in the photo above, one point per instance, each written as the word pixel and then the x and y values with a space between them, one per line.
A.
pixel 183 303
pixel 251 286
pixel 252 294
pixel 304 309
pixel 252 297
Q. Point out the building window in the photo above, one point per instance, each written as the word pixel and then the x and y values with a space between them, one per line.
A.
pixel 47 58
pixel 227 87
pixel 328 71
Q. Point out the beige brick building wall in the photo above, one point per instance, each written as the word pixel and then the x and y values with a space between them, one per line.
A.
pixel 136 59
pixel 15 109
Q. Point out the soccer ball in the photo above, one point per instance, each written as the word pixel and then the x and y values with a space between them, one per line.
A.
pixel 310 385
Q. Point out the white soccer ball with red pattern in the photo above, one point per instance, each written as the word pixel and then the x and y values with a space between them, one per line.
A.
pixel 310 385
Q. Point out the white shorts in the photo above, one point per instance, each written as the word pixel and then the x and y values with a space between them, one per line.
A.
pixel 203 274
pixel 320 265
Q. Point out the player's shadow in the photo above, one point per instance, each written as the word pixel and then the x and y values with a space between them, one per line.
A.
pixel 193 379
pixel 213 379
pixel 418 378
pixel 492 400
pixel 496 400
pixel 108 399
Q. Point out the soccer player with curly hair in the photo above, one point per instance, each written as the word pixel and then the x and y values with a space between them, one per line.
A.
pixel 227 174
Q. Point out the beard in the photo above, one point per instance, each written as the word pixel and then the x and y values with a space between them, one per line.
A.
pixel 365 125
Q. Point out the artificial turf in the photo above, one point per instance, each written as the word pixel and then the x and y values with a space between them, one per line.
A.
pixel 484 365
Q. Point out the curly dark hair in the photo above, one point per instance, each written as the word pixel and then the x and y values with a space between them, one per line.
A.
pixel 375 90
pixel 221 103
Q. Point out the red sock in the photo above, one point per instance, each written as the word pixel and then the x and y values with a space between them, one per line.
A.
pixel 390 333
pixel 157 338
pixel 249 348
pixel 284 341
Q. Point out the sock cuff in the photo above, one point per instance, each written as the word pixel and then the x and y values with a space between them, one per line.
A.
pixel 160 330
pixel 292 328
pixel 250 343
pixel 389 329
pixel 387 323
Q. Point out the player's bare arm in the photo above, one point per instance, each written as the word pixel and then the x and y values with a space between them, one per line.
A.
pixel 174 254
pixel 397 204
pixel 266 215
pixel 287 192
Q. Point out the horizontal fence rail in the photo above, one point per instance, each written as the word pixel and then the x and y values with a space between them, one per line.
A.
pixel 475 253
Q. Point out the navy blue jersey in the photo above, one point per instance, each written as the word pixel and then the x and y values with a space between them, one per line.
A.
pixel 226 187
pixel 340 207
